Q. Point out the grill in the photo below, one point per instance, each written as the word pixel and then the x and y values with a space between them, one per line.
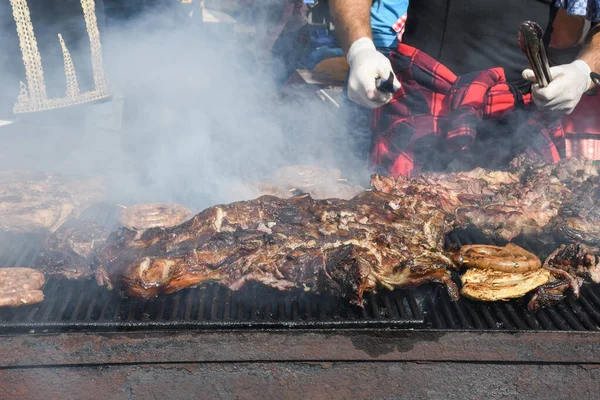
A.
pixel 83 306
pixel 291 344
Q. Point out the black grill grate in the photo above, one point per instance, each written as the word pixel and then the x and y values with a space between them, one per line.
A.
pixel 579 315
pixel 82 305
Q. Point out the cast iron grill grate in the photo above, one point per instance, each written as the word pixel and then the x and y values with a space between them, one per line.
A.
pixel 578 315
pixel 83 305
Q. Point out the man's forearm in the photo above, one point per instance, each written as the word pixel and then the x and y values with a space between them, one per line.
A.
pixel 591 49
pixel 352 19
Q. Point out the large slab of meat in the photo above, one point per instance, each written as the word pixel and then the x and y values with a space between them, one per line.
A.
pixel 42 202
pixel 342 247
pixel 531 197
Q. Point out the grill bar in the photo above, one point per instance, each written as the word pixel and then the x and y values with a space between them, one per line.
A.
pixel 84 306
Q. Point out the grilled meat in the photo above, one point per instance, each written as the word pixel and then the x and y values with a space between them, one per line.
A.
pixel 319 183
pixel 510 258
pixel 305 177
pixel 569 265
pixel 268 189
pixel 504 205
pixel 67 252
pixel 20 286
pixel 578 220
pixel 491 285
pixel 144 216
pixel 500 272
pixel 336 246
pixel 40 202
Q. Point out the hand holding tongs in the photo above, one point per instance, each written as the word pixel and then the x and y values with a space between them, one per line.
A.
pixel 530 42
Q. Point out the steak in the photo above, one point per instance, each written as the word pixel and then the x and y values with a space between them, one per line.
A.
pixel 67 252
pixel 41 202
pixel 343 247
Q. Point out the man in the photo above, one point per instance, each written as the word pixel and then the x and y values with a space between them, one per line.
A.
pixel 572 80
pixel 466 36
pixel 413 133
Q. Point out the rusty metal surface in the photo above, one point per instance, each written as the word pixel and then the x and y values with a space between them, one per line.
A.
pixel 341 380
pixel 168 347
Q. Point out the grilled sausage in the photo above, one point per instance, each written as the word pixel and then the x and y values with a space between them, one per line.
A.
pixel 145 216
pixel 20 286
pixel 510 258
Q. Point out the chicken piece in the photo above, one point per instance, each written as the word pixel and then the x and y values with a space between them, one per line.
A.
pixel 490 285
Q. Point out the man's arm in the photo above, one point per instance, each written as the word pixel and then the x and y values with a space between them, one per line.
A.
pixel 591 49
pixel 352 20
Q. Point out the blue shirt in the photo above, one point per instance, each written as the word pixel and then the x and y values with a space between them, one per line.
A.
pixel 590 9
pixel 384 14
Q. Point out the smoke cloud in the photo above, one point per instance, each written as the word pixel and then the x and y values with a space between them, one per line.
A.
pixel 193 117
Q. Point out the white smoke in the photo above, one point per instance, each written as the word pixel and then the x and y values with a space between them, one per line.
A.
pixel 193 118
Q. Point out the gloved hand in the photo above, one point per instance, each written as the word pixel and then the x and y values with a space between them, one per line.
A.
pixel 366 65
pixel 569 83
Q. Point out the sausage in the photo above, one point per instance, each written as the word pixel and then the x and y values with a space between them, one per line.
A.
pixel 20 286
pixel 145 216
pixel 510 258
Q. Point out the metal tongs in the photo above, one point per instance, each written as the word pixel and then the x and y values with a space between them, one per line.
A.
pixel 530 42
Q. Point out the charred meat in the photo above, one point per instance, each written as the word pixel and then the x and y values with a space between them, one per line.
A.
pixel 578 220
pixel 67 252
pixel 336 246
pixel 569 265
pixel 529 198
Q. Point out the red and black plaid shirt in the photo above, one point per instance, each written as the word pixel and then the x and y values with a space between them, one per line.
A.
pixel 434 106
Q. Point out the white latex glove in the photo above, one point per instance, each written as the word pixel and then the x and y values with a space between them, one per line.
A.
pixel 569 83
pixel 366 65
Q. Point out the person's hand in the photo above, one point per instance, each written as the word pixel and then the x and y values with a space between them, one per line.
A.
pixel 366 65
pixel 569 83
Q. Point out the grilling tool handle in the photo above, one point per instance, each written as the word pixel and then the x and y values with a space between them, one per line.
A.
pixel 387 85
pixel 595 78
